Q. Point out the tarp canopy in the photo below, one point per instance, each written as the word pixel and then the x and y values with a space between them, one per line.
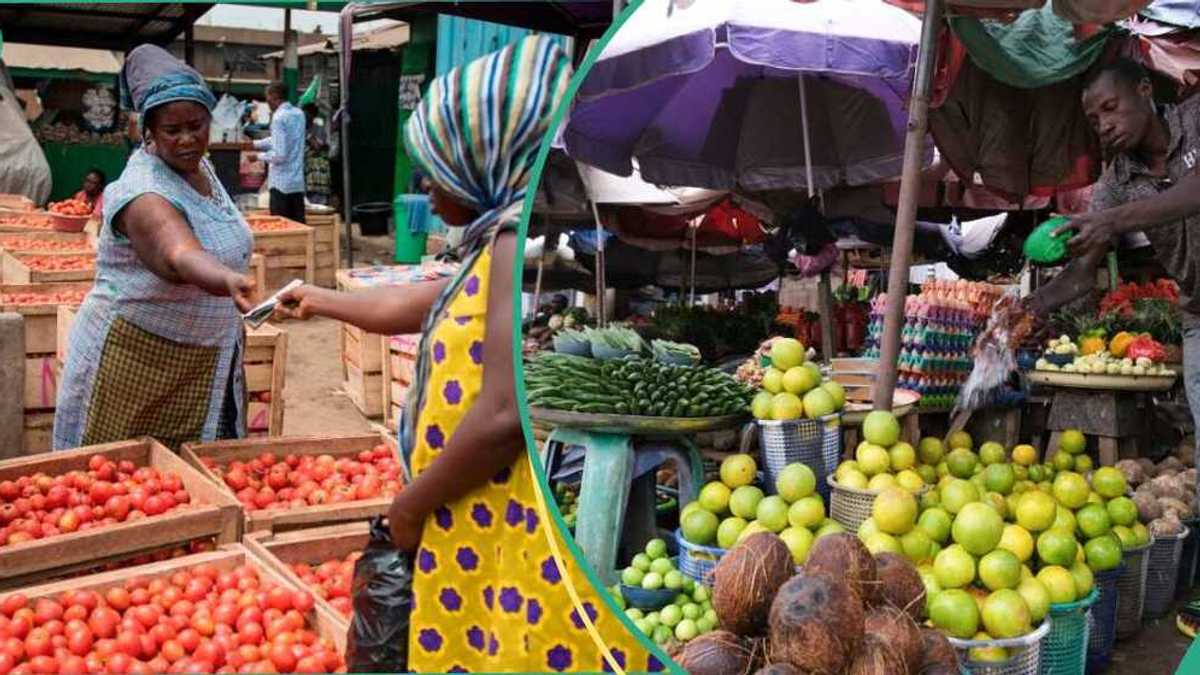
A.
pixel 44 61
pixel 1038 49
pixel 1075 11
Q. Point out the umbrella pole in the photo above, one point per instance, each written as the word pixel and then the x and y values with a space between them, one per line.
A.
pixel 906 209
pixel 601 317
pixel 692 302
pixel 824 287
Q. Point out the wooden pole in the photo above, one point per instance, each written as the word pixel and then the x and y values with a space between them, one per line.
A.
pixel 189 46
pixel 906 210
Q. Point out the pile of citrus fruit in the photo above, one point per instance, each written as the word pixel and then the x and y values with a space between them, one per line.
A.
pixel 793 388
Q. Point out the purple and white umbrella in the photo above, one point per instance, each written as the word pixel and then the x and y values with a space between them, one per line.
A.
pixel 728 94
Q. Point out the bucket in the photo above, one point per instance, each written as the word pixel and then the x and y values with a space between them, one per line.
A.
pixel 1102 628
pixel 372 218
pixel 414 221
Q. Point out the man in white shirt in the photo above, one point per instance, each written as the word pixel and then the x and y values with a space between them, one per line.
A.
pixel 284 155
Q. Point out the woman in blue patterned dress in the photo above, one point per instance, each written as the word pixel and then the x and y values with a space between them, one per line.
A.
pixel 156 346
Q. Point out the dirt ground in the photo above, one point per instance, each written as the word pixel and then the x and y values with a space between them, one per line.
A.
pixel 314 404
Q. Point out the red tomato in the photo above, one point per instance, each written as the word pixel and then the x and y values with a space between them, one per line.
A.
pixel 37 643
pixel 129 643
pixel 189 638
pixel 44 664
pixel 117 598
pixel 172 651
pixel 147 615
pixel 19 626
pixel 119 662
pixel 210 652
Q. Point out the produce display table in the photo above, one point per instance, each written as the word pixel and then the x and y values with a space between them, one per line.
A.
pixel 1105 406
pixel 619 453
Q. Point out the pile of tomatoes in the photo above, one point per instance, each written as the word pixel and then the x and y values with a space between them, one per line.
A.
pixel 199 620
pixel 271 224
pixel 40 505
pixel 331 580
pixel 25 299
pixel 271 482
pixel 59 263
pixel 28 222
pixel 71 207
pixel 19 243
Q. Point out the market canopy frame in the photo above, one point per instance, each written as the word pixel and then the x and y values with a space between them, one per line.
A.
pixel 114 26
pixel 580 19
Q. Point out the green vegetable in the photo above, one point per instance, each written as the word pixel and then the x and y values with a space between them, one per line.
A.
pixel 634 386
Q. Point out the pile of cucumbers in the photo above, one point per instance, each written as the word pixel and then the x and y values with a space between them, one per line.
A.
pixel 632 386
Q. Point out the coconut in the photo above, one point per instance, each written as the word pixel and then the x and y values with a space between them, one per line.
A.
pixel 745 582
pixel 1148 467
pixel 717 653
pixel 1171 464
pixel 877 657
pixel 843 555
pixel 1168 525
pixel 1176 506
pixel 778 669
pixel 937 651
pixel 897 629
pixel 816 623
pixel 1135 475
pixel 1147 506
pixel 1166 485
pixel 900 585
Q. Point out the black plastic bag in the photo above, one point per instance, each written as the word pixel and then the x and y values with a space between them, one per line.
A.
pixel 383 599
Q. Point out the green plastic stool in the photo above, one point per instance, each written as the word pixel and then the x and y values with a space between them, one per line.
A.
pixel 609 464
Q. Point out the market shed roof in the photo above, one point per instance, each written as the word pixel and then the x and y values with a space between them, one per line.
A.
pixel 18 56
pixel 109 25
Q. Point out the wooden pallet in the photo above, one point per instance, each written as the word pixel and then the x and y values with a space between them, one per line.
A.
pixel 288 254
pixel 399 371
pixel 227 558
pixel 14 269
pixel 214 514
pixel 338 445
pixel 313 546
pixel 265 361
pixel 28 242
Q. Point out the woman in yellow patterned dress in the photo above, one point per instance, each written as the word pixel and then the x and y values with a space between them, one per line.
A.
pixel 492 589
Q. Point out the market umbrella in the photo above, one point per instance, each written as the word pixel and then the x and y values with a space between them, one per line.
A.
pixel 725 94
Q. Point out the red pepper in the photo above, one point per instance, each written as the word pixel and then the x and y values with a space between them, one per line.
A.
pixel 1148 347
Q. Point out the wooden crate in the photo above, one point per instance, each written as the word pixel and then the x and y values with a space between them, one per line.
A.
pixel 41 320
pixel 214 514
pixel 288 254
pixel 36 242
pixel 41 382
pixel 227 558
pixel 15 269
pixel 258 270
pixel 32 221
pixel 38 435
pixel 223 452
pixel 266 359
pixel 327 246
pixel 399 371
pixel 361 354
pixel 313 546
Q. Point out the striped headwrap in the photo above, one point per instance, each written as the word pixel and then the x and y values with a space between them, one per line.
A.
pixel 476 134
pixel 477 130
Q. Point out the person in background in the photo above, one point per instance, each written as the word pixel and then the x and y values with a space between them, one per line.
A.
pixel 156 347
pixel 284 155
pixel 93 189
pixel 495 587
pixel 316 157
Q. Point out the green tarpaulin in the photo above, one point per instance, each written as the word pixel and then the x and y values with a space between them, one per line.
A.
pixel 1038 49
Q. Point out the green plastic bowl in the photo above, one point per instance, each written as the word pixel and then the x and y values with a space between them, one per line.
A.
pixel 1042 247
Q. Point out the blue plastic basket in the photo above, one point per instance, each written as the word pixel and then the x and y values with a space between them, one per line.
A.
pixel 695 561
pixel 1102 620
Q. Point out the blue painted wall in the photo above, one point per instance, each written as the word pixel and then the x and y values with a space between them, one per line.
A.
pixel 461 40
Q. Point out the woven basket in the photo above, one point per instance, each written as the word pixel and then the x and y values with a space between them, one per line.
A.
pixel 1189 558
pixel 1102 620
pixel 1132 590
pixel 815 443
pixel 1162 573
pixel 849 507
pixel 1025 653
pixel 696 561
pixel 1064 651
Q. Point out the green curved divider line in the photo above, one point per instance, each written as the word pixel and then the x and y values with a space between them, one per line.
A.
pixel 518 339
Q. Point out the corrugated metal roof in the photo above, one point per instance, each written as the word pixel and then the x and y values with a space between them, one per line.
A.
pixel 387 37
pixel 43 57
pixel 105 25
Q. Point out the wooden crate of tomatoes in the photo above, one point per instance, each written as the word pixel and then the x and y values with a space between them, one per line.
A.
pixel 221 611
pixel 43 243
pixel 25 221
pixel 327 242
pixel 287 248
pixel 320 559
pixel 38 306
pixel 41 268
pixel 265 360
pixel 292 482
pixel 75 509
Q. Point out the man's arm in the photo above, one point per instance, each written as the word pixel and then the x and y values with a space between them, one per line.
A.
pixel 1075 281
